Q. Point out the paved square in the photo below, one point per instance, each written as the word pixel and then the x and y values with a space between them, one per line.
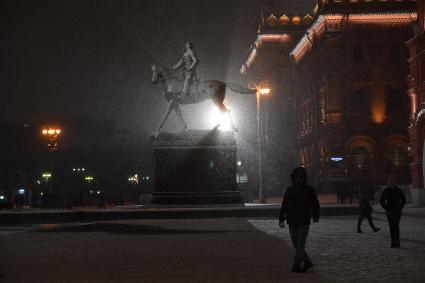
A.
pixel 209 250
pixel 342 255
pixel 192 250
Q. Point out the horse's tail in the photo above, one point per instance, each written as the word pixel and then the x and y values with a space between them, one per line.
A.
pixel 241 89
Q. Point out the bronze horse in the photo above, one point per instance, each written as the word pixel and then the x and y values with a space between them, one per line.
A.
pixel 202 90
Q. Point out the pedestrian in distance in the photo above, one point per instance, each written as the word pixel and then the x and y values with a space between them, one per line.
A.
pixel 344 192
pixel 100 200
pixel 350 190
pixel 370 191
pixel 365 211
pixel 299 205
pixel 393 201
pixel 338 194
pixel 18 201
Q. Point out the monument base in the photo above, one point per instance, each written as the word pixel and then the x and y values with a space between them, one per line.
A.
pixel 196 167
pixel 196 198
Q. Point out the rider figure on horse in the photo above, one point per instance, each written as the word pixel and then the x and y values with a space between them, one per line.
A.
pixel 188 64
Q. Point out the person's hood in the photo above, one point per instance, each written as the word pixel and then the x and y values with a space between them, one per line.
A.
pixel 299 171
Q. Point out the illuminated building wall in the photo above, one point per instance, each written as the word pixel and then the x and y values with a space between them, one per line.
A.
pixel 421 14
pixel 416 94
pixel 351 93
pixel 346 83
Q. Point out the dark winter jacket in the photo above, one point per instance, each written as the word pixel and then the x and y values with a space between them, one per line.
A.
pixel 364 206
pixel 393 200
pixel 299 204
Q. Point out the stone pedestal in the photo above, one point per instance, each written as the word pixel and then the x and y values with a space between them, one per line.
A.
pixel 198 167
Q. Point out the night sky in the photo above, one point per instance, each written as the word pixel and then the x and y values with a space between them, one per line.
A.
pixel 65 60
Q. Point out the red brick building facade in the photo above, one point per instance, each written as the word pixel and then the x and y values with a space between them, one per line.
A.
pixel 416 92
pixel 346 83
pixel 350 91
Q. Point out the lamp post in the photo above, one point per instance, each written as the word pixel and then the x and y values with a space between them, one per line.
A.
pixel 52 135
pixel 134 180
pixel 260 92
pixel 89 179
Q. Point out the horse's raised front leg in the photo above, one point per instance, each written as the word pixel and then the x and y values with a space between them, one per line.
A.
pixel 180 115
pixel 170 107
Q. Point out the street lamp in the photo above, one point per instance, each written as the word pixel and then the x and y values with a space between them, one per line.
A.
pixel 134 179
pixel 260 91
pixel 46 176
pixel 264 91
pixel 52 135
pixel 89 179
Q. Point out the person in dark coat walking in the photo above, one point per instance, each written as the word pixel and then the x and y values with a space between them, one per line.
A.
pixel 365 210
pixel 299 205
pixel 100 200
pixel 393 201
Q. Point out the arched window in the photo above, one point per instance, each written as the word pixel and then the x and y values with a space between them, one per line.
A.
pixel 360 157
pixel 359 103
pixel 396 156
pixel 358 54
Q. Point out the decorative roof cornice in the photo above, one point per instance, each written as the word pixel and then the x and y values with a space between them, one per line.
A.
pixel 261 38
pixel 335 22
pixel 368 6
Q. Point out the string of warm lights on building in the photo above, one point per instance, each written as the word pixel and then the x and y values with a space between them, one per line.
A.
pixel 334 21
pixel 261 38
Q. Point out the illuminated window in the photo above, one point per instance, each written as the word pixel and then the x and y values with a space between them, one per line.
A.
pixel 241 177
pixel 322 106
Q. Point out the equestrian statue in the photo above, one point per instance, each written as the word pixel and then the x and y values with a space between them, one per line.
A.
pixel 189 90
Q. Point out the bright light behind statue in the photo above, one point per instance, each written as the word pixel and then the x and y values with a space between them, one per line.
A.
pixel 264 91
pixel 217 118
